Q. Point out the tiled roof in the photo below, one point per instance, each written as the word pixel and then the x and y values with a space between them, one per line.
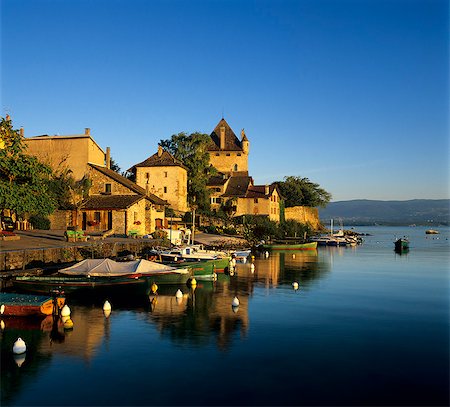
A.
pixel 217 180
pixel 129 184
pixel 232 143
pixel 165 160
pixel 259 191
pixel 238 186
pixel 111 201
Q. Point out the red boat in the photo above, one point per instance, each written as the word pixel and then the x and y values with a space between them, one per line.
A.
pixel 12 304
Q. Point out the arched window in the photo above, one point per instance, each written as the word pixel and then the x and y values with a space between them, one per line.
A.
pixel 235 168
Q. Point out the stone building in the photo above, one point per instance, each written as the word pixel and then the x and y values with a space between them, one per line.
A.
pixel 233 189
pixel 228 154
pixel 118 204
pixel 74 152
pixel 164 176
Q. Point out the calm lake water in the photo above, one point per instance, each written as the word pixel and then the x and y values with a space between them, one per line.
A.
pixel 366 327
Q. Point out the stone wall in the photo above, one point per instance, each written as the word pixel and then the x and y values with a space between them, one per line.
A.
pixel 225 161
pixel 59 220
pixel 166 182
pixel 303 214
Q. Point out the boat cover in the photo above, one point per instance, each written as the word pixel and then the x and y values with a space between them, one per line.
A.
pixel 108 267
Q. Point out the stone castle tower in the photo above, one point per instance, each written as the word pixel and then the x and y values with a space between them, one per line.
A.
pixel 228 154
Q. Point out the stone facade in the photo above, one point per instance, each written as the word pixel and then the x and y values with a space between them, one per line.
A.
pixel 72 152
pixel 164 176
pixel 303 214
pixel 227 153
pixel 262 204
pixel 118 204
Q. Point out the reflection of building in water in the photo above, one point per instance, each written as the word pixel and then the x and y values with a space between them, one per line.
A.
pixel 266 271
pixel 300 259
pixel 206 312
pixel 90 328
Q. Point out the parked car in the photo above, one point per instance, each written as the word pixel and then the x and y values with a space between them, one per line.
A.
pixel 7 223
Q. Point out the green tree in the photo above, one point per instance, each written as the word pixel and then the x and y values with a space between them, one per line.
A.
pixel 192 151
pixel 258 228
pixel 25 182
pixel 298 191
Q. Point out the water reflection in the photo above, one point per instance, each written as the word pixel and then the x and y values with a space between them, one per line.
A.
pixel 202 316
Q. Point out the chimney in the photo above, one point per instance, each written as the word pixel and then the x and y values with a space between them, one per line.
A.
pixel 266 189
pixel 22 133
pixel 222 137
pixel 87 131
pixel 108 157
pixel 160 151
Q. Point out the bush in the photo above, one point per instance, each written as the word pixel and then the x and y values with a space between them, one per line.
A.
pixel 159 234
pixel 40 222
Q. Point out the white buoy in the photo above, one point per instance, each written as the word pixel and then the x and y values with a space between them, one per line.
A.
pixel 293 256
pixel 252 267
pixel 295 285
pixel 235 309
pixel 214 276
pixel 2 325
pixel 235 302
pixel 107 313
pixel 19 346
pixel 106 306
pixel 193 281
pixel 179 294
pixel 266 254
pixel 154 288
pixel 65 312
pixel 233 262
pixel 231 272
pixel 2 309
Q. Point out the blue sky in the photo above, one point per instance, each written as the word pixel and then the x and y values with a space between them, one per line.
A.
pixel 351 94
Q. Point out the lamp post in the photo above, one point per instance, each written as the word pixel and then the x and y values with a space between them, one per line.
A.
pixel 194 207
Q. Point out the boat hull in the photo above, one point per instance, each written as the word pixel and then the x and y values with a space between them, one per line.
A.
pixel 76 285
pixel 300 246
pixel 209 268
pixel 401 245
pixel 13 304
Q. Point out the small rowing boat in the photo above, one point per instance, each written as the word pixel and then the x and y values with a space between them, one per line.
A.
pixel 12 304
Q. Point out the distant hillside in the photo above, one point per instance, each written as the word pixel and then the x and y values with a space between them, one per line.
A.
pixel 369 212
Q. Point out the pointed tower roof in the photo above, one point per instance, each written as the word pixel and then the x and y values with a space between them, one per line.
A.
pixel 231 143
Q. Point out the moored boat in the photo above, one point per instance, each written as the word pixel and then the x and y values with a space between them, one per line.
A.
pixel 75 284
pixel 95 275
pixel 432 232
pixel 189 253
pixel 401 245
pixel 13 304
pixel 208 269
pixel 290 246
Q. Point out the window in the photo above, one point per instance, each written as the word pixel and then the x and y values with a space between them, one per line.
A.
pixel 147 175
pixel 239 154
pixel 218 189
pixel 165 174
pixel 135 216
pixel 165 190
pixel 228 154
pixel 97 217
pixel 235 167
pixel 107 188
pixel 255 200
pixel 217 154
